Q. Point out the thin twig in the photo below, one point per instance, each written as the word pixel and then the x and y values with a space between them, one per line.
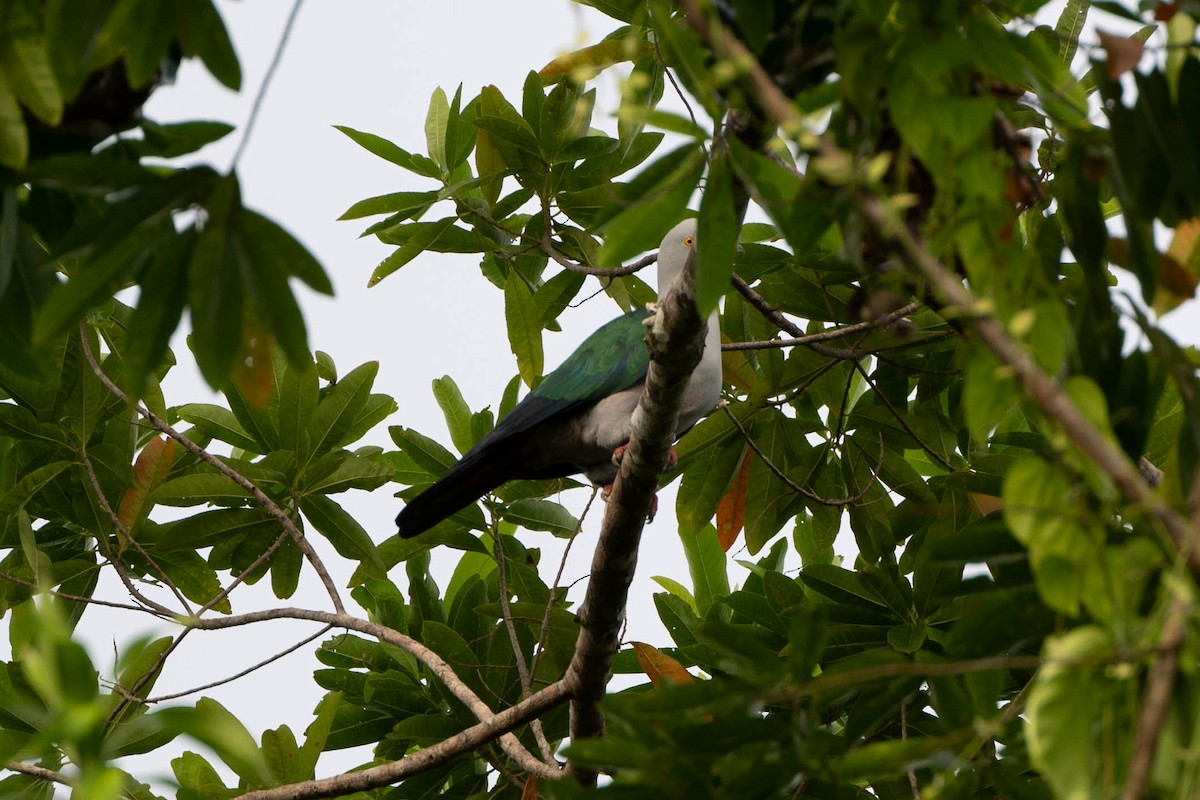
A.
pixel 262 90
pixel 539 734
pixel 79 598
pixel 554 587
pixel 900 419
pixel 821 336
pixel 125 536
pixel 436 664
pixel 260 497
pixel 1157 699
pixel 269 660
pixel 559 258
pixel 426 758
pixel 796 487
pixel 41 773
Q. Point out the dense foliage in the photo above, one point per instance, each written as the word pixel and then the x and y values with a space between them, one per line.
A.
pixel 1017 463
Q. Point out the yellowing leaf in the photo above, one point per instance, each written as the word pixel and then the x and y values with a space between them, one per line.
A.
pixel 1179 268
pixel 590 60
pixel 731 510
pixel 254 372
pixel 659 666
pixel 1123 52
pixel 149 471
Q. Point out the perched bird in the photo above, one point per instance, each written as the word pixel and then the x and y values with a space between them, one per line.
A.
pixel 579 414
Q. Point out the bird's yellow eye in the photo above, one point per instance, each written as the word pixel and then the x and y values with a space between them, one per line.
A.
pixel 688 241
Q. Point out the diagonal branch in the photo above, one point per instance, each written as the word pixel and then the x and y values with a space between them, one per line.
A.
pixel 676 343
pixel 424 759
pixel 436 664
pixel 260 497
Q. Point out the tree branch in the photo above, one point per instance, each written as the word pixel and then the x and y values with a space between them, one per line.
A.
pixel 489 729
pixel 41 773
pixel 676 343
pixel 436 664
pixel 1156 699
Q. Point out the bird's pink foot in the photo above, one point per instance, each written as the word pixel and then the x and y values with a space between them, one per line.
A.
pixel 619 453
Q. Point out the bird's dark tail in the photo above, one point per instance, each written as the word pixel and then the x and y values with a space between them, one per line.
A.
pixel 466 482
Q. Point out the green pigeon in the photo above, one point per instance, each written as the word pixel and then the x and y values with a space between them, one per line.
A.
pixel 577 419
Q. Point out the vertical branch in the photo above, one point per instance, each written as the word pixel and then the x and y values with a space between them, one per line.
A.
pixel 676 345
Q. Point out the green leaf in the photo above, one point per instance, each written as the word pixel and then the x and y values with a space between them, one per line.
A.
pixel 708 566
pixel 317 733
pixel 393 153
pixel 541 515
pixel 198 780
pixel 338 410
pixel 1067 702
pixel 211 724
pixel 425 452
pixel 202 33
pixel 343 532
pixel 524 329
pixel 298 394
pixel 717 237
pixel 422 238
pixel 268 242
pixel 839 585
pixel 435 127
pixel 192 575
pixel 216 291
pixel 219 423
pixel 403 204
pixel 178 138
pixel 1069 26
pixel 25 65
pixel 456 412
pixel 160 306
pixel 353 472
pixel 192 490
pixel 14 139
pixel 642 223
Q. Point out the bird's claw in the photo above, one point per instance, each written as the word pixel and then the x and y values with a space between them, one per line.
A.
pixel 619 453
pixel 651 513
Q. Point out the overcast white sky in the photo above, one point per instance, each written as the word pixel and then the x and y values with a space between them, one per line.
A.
pixel 371 65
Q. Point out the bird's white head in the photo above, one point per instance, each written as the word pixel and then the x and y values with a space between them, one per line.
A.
pixel 677 247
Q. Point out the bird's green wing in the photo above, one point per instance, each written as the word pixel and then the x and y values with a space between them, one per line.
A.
pixel 610 360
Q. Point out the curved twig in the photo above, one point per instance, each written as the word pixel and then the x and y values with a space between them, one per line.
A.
pixel 436 664
pixel 796 487
pixel 821 336
pixel 426 758
pixel 260 497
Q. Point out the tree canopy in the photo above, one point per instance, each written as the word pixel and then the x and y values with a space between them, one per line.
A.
pixel 912 217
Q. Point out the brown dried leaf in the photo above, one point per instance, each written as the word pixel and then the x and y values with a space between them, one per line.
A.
pixel 1179 268
pixel 731 510
pixel 659 666
pixel 1124 52
pixel 149 470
